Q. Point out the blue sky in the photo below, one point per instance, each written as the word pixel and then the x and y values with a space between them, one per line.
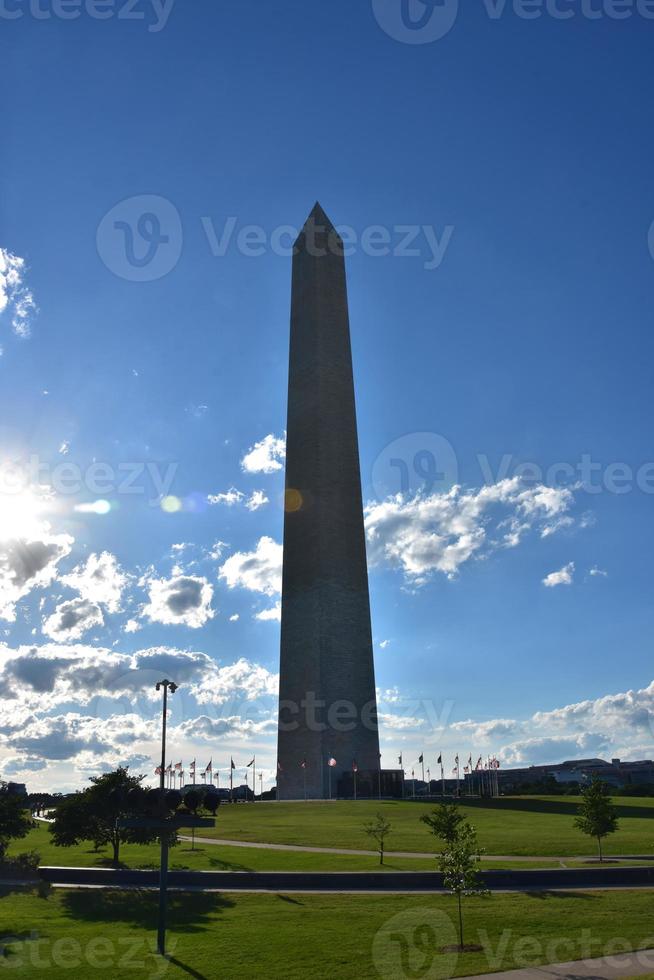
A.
pixel 513 157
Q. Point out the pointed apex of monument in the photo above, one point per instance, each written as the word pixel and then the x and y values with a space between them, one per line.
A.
pixel 318 233
pixel 318 217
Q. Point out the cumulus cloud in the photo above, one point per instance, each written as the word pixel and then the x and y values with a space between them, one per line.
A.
pixel 182 599
pixel 208 729
pixel 258 571
pixel 272 615
pixel 72 619
pixel 100 580
pixel 28 561
pixel 16 299
pixel 564 576
pixel 425 535
pixel 232 497
pixel 598 572
pixel 266 456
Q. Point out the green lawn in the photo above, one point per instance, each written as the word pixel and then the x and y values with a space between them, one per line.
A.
pixel 84 933
pixel 212 857
pixel 510 825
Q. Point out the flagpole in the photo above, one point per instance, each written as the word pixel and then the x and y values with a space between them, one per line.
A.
pixel 442 777
pixel 254 778
pixel 354 773
pixel 330 780
pixel 304 779
pixel 423 766
pixel 231 780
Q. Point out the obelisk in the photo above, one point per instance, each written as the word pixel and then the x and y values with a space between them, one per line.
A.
pixel 328 708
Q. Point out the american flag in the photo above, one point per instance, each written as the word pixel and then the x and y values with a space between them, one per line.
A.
pixel 178 766
pixel 192 766
pixel 209 766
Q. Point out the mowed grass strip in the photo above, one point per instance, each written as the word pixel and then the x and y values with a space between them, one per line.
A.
pixel 83 933
pixel 506 826
pixel 218 857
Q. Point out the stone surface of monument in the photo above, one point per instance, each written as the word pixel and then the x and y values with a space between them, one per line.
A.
pixel 328 707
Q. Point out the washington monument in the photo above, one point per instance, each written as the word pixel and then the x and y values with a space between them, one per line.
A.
pixel 328 709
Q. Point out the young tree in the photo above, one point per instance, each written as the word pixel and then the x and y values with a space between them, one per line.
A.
pixel 92 814
pixel 597 817
pixel 459 866
pixel 378 829
pixel 444 822
pixel 14 820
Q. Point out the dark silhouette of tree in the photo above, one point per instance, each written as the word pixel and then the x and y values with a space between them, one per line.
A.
pixel 92 814
pixel 378 829
pixel 444 821
pixel 597 816
pixel 14 819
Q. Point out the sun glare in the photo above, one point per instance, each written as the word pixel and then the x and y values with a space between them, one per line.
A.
pixel 21 515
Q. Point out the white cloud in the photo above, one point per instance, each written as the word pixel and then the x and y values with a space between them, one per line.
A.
pixel 100 579
pixel 598 572
pixel 256 500
pixel 234 618
pixel 259 570
pixel 266 456
pixel 564 576
pixel 272 615
pixel 64 448
pixel 132 626
pixel 15 297
pixel 384 643
pixel 232 497
pixel 72 619
pixel 229 498
pixel 439 533
pixel 29 555
pixel 182 599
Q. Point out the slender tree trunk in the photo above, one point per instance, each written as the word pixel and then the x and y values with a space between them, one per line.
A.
pixel 460 923
pixel 599 844
pixel 116 846
pixel 381 853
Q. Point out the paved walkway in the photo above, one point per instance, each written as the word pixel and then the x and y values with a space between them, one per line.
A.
pixel 605 968
pixel 402 854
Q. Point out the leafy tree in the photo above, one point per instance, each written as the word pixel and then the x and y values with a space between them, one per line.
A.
pixel 597 817
pixel 378 829
pixel 444 821
pixel 459 866
pixel 92 814
pixel 14 820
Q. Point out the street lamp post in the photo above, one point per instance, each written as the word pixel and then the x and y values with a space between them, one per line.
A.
pixel 163 873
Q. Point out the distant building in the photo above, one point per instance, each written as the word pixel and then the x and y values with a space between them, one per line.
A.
pixel 615 773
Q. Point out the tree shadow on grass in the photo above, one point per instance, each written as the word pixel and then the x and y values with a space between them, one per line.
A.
pixel 217 864
pixel 546 893
pixel 190 911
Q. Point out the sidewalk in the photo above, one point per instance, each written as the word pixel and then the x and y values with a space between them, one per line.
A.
pixel 604 968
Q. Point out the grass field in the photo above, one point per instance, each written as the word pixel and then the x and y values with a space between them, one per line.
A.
pixel 84 933
pixel 506 826
pixel 210 857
